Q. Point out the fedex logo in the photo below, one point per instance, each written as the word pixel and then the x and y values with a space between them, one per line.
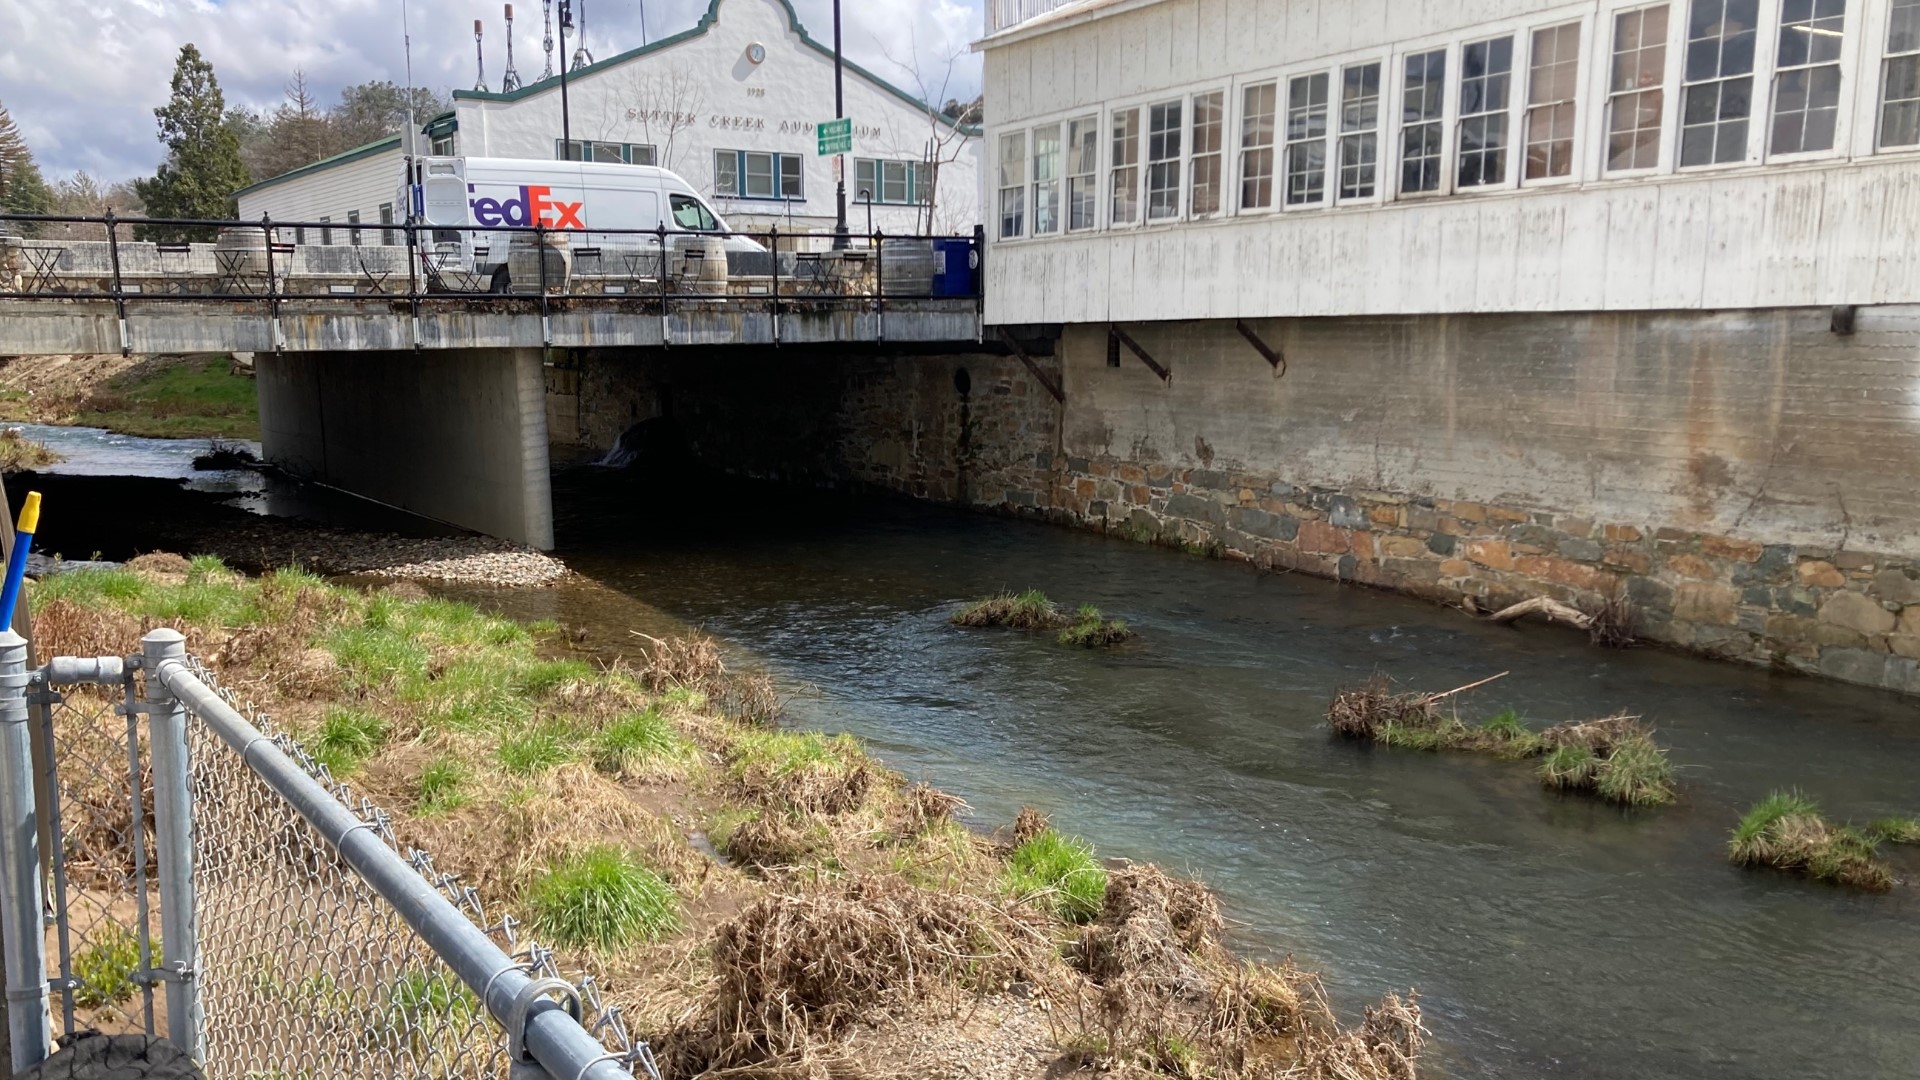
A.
pixel 533 207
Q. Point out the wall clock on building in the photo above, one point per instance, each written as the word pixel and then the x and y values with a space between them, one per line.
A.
pixel 756 52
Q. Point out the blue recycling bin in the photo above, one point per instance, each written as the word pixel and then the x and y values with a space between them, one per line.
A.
pixel 955 272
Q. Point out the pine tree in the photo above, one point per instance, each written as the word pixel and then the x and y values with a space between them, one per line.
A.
pixel 203 169
pixel 22 189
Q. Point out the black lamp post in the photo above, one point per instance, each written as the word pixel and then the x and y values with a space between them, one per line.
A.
pixel 566 119
pixel 839 113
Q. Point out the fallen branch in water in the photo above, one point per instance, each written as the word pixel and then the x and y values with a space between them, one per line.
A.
pixel 1432 698
pixel 1554 610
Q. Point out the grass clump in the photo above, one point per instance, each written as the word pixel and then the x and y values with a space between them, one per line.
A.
pixel 602 899
pixel 106 966
pixel 345 738
pixel 1030 610
pixel 1786 831
pixel 442 788
pixel 1896 830
pixel 1062 872
pixel 638 744
pixel 529 753
pixel 1090 629
pixel 1614 757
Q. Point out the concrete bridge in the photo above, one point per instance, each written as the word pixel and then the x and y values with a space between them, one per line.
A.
pixel 395 374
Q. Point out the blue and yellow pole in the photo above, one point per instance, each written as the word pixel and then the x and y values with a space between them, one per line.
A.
pixel 17 559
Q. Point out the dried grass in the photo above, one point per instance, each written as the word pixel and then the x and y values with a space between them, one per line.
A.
pixel 1151 927
pixel 690 661
pixel 1030 610
pixel 1370 710
pixel 793 972
pixel 1385 1046
pixel 924 807
pixel 1027 824
pixel 64 628
pixel 1614 621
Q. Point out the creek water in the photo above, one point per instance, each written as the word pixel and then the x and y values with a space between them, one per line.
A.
pixel 1549 935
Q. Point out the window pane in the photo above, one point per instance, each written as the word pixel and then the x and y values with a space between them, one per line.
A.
pixel 1719 91
pixel 1637 101
pixel 894 185
pixel 1553 83
pixel 1307 139
pixel 1209 135
pixel 1013 184
pixel 1125 180
pixel 863 176
pixel 1163 156
pixel 1046 179
pixel 726 172
pixel 1421 109
pixel 1900 116
pixel 759 178
pixel 1486 73
pixel 1806 87
pixel 1359 131
pixel 1256 141
pixel 1083 162
pixel 791 177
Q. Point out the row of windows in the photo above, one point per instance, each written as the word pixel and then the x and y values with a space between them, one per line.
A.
pixel 354 236
pixel 1323 137
pixel 901 183
pixel 614 153
pixel 753 174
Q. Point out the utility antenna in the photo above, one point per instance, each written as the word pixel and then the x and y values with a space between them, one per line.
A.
pixel 643 22
pixel 511 80
pixel 581 57
pixel 406 39
pixel 547 20
pixel 480 52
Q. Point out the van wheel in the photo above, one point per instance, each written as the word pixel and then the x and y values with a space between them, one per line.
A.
pixel 502 282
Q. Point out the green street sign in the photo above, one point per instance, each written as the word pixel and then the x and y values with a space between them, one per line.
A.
pixel 836 136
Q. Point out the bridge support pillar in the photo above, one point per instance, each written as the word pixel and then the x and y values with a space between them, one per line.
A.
pixel 459 435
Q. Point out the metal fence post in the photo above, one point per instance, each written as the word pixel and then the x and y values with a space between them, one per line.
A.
pixel 173 843
pixel 28 1025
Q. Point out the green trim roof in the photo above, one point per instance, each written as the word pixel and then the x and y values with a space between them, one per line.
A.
pixel 706 23
pixel 391 142
pixel 444 124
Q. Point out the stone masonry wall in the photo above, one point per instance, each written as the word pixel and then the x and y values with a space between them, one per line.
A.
pixel 1748 479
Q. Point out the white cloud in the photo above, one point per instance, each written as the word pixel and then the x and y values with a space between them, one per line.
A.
pixel 82 79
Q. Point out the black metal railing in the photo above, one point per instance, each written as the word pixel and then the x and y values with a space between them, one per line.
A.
pixel 275 263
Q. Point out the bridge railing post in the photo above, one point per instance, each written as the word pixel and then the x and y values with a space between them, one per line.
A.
pixel 413 276
pixel 540 249
pixel 773 245
pixel 666 338
pixel 119 285
pixel 273 283
pixel 879 284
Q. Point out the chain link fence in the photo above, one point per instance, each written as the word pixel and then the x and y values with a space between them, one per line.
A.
pixel 199 876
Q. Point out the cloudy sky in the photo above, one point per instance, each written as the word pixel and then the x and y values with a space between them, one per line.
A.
pixel 82 77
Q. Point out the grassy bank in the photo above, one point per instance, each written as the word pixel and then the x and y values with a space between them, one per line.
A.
pixel 17 452
pixel 853 923
pixel 161 397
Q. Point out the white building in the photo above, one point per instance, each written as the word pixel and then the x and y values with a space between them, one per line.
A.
pixel 1183 159
pixel 731 105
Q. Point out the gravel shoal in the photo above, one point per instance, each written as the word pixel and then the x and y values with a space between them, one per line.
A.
pixel 476 560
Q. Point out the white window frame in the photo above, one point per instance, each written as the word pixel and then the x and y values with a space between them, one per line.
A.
pixel 1087 123
pixel 1237 129
pixel 1053 183
pixel 1872 82
pixel 1518 62
pixel 1760 105
pixel 1110 166
pixel 1597 124
pixel 1190 151
pixel 1284 160
pixel 1178 160
pixel 1383 141
pixel 1586 56
pixel 1850 70
pixel 1396 129
pixel 1019 185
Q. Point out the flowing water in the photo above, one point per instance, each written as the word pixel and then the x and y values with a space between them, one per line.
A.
pixel 1550 936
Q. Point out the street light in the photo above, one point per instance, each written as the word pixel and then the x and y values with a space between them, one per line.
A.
pixel 566 118
pixel 840 161
pixel 866 195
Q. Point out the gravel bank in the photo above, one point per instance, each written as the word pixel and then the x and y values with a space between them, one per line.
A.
pixel 477 560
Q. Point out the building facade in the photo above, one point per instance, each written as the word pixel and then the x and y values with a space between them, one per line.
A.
pixel 1485 299
pixel 730 104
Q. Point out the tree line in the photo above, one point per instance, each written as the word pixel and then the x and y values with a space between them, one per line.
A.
pixel 213 151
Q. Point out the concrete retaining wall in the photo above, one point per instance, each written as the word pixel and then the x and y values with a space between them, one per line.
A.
pixel 460 437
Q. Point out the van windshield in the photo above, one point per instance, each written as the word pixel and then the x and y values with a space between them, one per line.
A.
pixel 690 213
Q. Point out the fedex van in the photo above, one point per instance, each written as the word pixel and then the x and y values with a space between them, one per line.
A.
pixel 511 194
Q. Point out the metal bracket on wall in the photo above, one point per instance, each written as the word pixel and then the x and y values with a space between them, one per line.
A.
pixel 1114 332
pixel 1033 369
pixel 1273 356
